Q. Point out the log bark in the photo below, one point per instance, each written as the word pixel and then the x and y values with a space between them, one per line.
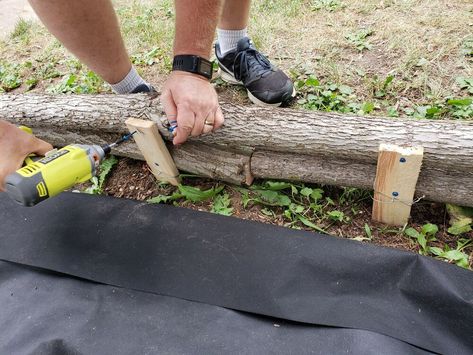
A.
pixel 433 184
pixel 266 143
pixel 200 159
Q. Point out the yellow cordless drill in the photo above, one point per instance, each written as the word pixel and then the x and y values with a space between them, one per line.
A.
pixel 59 170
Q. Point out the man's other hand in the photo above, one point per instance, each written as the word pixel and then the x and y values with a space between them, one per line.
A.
pixel 191 101
pixel 15 146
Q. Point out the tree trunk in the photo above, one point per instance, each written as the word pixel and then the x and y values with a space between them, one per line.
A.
pixel 264 142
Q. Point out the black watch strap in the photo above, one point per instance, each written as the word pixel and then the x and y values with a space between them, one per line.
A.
pixel 193 64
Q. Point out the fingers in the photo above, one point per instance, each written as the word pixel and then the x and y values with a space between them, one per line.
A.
pixel 209 122
pixel 15 146
pixel 199 125
pixel 2 182
pixel 208 128
pixel 213 121
pixel 219 119
pixel 170 109
pixel 185 123
pixel 194 103
pixel 41 147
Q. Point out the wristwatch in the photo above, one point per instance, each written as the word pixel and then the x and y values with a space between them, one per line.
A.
pixel 193 64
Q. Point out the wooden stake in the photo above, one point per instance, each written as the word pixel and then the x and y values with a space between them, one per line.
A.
pixel 396 178
pixel 154 150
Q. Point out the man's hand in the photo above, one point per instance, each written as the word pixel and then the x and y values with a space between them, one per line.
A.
pixel 192 102
pixel 15 146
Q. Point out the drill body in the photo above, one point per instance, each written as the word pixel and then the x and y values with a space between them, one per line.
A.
pixel 59 170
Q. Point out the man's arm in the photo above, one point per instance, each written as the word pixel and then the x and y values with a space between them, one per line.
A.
pixel 15 146
pixel 189 98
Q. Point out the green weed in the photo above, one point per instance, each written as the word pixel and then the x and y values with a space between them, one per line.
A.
pixel 98 181
pixel 352 196
pixel 368 234
pixel 467 47
pixel 426 235
pixel 465 84
pixel 148 58
pixel 328 5
pixel 329 97
pixel 315 95
pixel 222 204
pixel 456 256
pixel 300 204
pixel 81 83
pixel 360 39
pixel 461 219
pixel 166 198
pixel 461 226
pixel 337 216
pixel 196 195
pixel 380 87
pixel 451 107
pixel 10 77
pixel 46 71
pixel 188 193
pixel 461 108
pixel 267 198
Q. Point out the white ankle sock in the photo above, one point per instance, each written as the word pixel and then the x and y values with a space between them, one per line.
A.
pixel 228 39
pixel 129 83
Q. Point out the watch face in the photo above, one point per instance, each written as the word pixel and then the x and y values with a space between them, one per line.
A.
pixel 205 67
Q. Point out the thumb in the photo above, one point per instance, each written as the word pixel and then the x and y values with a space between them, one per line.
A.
pixel 186 119
pixel 40 147
pixel 170 110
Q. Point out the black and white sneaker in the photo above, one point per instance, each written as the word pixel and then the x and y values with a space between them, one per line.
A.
pixel 266 84
pixel 144 88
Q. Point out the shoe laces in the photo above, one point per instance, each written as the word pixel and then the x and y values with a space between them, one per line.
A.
pixel 250 63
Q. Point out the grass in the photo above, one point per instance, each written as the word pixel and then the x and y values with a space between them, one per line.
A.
pixel 22 31
pixel 328 5
pixel 424 47
pixel 405 58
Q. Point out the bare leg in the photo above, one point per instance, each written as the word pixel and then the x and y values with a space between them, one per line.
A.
pixel 89 29
pixel 235 15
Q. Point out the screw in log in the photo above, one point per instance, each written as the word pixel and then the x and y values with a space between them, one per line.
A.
pixel 396 179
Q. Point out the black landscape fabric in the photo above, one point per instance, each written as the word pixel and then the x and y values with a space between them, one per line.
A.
pixel 47 314
pixel 103 275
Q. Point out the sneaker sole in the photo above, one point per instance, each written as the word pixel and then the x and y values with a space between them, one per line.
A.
pixel 228 77
pixel 231 80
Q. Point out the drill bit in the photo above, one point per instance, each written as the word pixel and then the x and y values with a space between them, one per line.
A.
pixel 108 147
